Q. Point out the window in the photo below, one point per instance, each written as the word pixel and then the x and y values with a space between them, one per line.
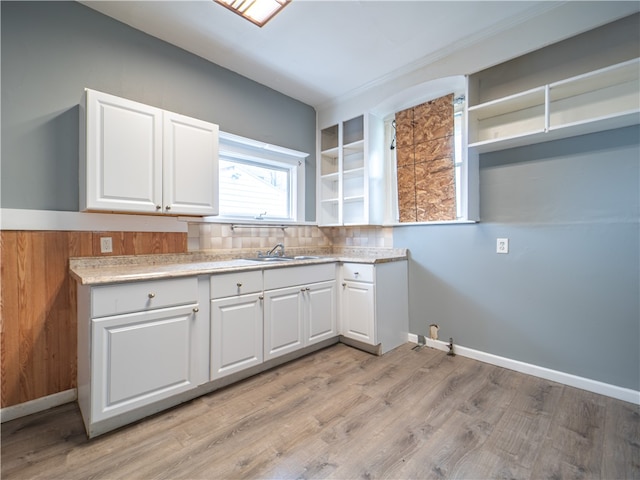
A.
pixel 429 161
pixel 259 181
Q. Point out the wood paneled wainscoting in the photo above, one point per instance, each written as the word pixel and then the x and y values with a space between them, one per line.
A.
pixel 38 304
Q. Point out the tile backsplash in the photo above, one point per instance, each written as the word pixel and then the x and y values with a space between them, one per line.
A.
pixel 217 236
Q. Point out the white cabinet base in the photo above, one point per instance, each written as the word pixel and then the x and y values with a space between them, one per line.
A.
pixel 236 334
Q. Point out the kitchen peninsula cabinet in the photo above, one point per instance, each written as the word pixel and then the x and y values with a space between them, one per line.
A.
pixel 140 159
pixel 300 308
pixel 138 343
pixel 236 322
pixel 374 305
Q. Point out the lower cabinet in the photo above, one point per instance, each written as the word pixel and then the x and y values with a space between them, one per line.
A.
pixel 147 345
pixel 283 321
pixel 236 322
pixel 141 358
pixel 374 304
pixel 139 343
pixel 357 313
pixel 300 308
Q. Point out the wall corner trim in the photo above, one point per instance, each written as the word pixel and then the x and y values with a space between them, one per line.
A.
pixel 613 391
pixel 38 405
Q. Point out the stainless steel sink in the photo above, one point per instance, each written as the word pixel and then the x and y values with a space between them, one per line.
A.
pixel 282 259
pixel 270 259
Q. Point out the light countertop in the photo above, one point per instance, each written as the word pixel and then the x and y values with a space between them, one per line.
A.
pixel 129 268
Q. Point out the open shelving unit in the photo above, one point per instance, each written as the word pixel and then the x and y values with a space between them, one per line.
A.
pixel 599 100
pixel 347 151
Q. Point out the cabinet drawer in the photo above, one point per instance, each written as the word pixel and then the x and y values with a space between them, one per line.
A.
pixel 231 284
pixel 360 272
pixel 141 296
pixel 292 276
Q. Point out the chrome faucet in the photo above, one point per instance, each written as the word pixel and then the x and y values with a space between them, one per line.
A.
pixel 272 252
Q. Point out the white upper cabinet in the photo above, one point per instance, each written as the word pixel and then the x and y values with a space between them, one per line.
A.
pixel 190 171
pixel 141 159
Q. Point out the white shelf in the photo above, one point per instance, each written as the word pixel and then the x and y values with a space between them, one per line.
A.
pixel 331 176
pixel 354 147
pixel 331 153
pixel 512 103
pixel 355 172
pixel 343 178
pixel 600 100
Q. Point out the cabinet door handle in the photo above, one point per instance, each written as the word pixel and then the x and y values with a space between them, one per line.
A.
pixel 158 207
pixel 356 273
pixel 152 295
pixel 239 284
pixel 196 309
pixel 168 207
pixel 302 289
pixel 307 289
pixel 344 284
pixel 261 297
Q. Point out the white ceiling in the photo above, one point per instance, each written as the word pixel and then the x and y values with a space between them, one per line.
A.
pixel 319 50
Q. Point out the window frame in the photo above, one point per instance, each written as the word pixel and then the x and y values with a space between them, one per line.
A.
pixel 244 149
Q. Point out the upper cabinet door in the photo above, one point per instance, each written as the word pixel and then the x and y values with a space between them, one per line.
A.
pixel 140 159
pixel 190 165
pixel 123 165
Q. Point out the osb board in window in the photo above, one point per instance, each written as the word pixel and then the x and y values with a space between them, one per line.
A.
pixel 424 140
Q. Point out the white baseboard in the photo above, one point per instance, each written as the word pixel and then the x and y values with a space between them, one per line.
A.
pixel 37 405
pixel 621 393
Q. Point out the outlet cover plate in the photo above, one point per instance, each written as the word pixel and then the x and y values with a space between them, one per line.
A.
pixel 106 246
pixel 502 245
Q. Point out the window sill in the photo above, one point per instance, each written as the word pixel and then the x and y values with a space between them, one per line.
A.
pixel 442 222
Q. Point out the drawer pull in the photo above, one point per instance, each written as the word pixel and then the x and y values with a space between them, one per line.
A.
pixel 239 284
pixel 152 295
pixel 302 289
pixel 307 289
pixel 344 284
pixel 356 273
pixel 196 309
pixel 261 297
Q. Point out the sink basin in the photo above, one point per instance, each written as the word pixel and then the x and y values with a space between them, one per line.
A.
pixel 270 259
pixel 282 259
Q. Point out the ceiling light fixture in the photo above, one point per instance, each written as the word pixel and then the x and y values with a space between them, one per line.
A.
pixel 257 12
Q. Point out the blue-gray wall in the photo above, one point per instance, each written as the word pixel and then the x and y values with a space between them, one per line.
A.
pixel 51 51
pixel 567 296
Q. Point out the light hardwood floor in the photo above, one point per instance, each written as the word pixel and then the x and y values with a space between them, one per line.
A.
pixel 342 413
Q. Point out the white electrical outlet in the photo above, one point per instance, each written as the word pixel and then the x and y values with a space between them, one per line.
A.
pixel 105 245
pixel 502 245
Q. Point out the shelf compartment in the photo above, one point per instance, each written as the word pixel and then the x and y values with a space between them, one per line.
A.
pixel 609 92
pixel 330 187
pixel 329 138
pixel 508 117
pixel 353 211
pixel 353 186
pixel 353 130
pixel 353 156
pixel 330 212
pixel 329 162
